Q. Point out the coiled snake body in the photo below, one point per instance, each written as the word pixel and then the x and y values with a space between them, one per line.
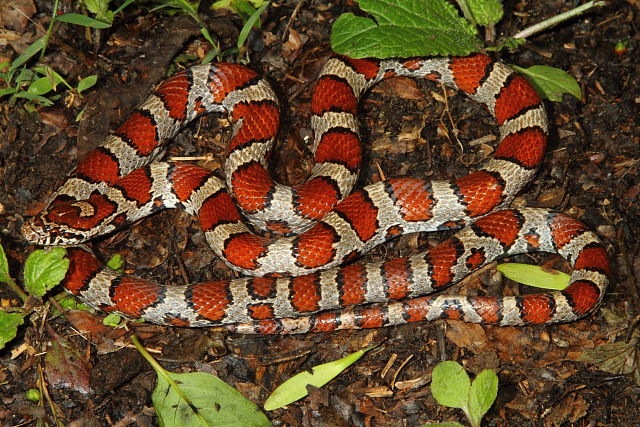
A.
pixel 321 223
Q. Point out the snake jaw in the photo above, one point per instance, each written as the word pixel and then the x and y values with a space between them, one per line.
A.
pixel 37 232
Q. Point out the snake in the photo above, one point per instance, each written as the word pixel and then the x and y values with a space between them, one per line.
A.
pixel 296 246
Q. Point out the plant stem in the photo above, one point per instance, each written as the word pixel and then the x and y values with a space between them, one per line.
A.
pixel 153 362
pixel 548 23
pixel 50 29
pixel 162 372
pixel 466 11
pixel 15 288
pixel 472 421
pixel 489 33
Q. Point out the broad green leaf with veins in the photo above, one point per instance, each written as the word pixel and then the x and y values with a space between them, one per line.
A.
pixel 402 28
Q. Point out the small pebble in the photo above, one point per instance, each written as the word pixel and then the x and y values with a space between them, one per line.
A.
pixel 608 231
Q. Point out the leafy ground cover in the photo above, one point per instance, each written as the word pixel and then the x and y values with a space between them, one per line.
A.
pixel 579 373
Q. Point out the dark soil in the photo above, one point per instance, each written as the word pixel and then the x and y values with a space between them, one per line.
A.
pixel 590 171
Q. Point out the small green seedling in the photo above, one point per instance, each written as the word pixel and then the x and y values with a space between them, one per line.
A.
pixel 112 319
pixel 33 83
pixel 100 8
pixel 33 394
pixel 199 399
pixel 42 271
pixel 190 8
pixel 36 82
pixel 244 8
pixel 116 262
pixel 250 12
pixel 451 386
pixel 622 47
pixel 295 388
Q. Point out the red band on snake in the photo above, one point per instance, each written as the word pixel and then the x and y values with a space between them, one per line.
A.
pixel 122 181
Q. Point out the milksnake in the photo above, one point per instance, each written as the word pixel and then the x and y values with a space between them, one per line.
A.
pixel 320 224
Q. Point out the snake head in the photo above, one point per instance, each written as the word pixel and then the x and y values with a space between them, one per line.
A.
pixel 38 231
pixel 67 221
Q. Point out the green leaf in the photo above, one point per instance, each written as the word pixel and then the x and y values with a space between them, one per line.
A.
pixel 28 53
pixel 116 262
pixel 295 388
pixel 205 33
pixel 66 366
pixel 52 75
pixel 44 270
pixel 199 399
pixel 213 402
pixel 33 394
pixel 551 82
pixel 71 303
pixel 9 323
pixel 404 28
pixel 8 91
pixel 616 358
pixel 112 319
pixel 211 54
pixel 244 8
pixel 25 75
pixel 100 8
pixel 86 83
pixel 482 394
pixel 534 275
pixel 450 384
pixel 5 276
pixel 222 4
pixel 85 21
pixel 40 86
pixel 184 6
pixel 4 266
pixel 486 12
pixel 614 317
pixel 38 98
pixel 96 7
pixel 508 43
pixel 621 47
pixel 122 6
pixel 246 28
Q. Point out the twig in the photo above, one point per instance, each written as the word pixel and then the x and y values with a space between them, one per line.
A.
pixel 454 128
pixel 293 16
pixel 548 23
pixel 395 376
